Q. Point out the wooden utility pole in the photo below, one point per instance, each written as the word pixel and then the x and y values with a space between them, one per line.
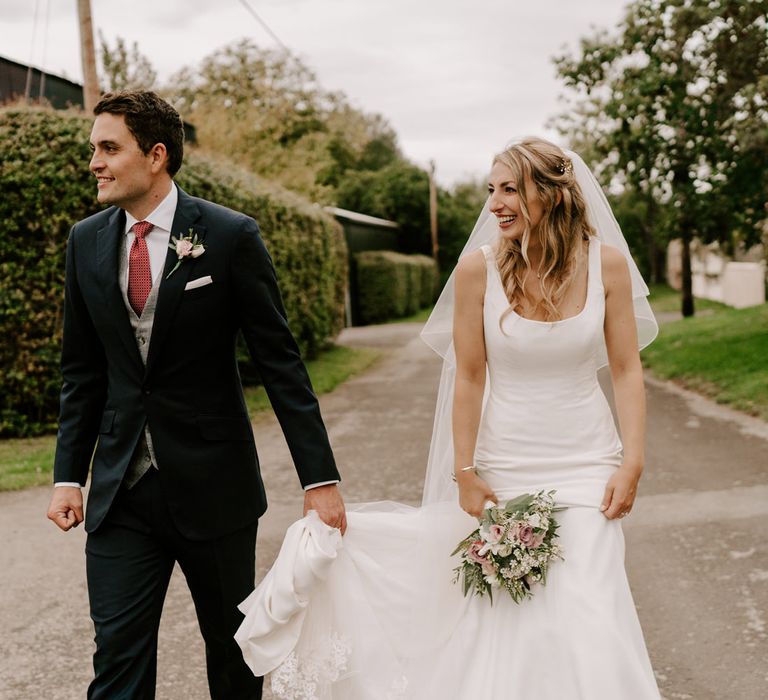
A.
pixel 433 208
pixel 91 92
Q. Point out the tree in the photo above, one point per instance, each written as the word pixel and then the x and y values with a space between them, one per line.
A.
pixel 400 192
pixel 266 110
pixel 124 68
pixel 675 110
pixel 457 212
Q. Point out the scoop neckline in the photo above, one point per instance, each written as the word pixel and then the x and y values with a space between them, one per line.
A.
pixel 514 313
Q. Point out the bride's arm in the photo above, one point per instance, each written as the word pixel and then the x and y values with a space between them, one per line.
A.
pixel 627 378
pixel 469 345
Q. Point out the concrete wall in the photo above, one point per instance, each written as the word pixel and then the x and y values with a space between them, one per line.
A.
pixel 738 282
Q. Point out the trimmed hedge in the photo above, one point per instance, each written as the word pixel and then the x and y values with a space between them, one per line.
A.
pixel 392 285
pixel 46 187
pixel 429 276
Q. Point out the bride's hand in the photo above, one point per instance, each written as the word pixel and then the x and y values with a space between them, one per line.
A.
pixel 474 493
pixel 620 492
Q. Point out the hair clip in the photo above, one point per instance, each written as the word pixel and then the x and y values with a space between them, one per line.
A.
pixel 565 166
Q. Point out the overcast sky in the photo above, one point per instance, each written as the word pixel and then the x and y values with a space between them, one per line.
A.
pixel 457 79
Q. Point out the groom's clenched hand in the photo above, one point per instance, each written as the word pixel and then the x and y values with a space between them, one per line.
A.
pixel 329 504
pixel 66 507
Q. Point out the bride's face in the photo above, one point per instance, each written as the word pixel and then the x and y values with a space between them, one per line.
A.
pixel 506 202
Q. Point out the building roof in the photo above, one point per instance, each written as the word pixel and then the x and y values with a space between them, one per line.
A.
pixel 360 218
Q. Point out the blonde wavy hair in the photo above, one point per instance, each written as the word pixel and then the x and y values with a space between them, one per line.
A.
pixel 562 227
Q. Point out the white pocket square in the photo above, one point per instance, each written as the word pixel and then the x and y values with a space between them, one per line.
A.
pixel 199 282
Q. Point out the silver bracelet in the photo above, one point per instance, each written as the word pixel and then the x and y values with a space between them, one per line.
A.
pixel 470 468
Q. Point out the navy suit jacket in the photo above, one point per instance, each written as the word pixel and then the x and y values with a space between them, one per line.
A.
pixel 190 392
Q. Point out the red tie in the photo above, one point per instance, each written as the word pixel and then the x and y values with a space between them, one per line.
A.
pixel 139 273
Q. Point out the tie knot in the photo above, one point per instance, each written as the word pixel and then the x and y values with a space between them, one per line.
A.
pixel 142 228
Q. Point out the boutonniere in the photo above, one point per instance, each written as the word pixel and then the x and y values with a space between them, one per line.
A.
pixel 186 247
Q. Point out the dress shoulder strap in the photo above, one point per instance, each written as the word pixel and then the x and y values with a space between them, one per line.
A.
pixel 595 278
pixel 491 273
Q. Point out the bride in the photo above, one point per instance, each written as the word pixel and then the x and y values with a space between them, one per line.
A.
pixel 544 294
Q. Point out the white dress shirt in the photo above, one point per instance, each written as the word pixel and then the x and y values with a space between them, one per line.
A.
pixel 159 237
pixel 158 240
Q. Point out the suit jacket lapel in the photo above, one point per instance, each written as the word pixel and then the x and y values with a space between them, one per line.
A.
pixel 108 241
pixel 172 288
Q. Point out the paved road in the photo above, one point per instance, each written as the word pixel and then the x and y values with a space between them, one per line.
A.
pixel 697 551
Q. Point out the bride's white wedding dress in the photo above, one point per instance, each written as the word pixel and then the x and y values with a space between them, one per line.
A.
pixel 376 616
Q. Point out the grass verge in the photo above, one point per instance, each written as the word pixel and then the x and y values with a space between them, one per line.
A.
pixel 329 370
pixel 664 299
pixel 28 462
pixel 721 355
pixel 419 317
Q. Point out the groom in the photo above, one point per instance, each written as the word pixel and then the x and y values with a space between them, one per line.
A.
pixel 150 378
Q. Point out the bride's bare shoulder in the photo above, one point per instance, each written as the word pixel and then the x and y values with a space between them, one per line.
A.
pixel 614 266
pixel 471 268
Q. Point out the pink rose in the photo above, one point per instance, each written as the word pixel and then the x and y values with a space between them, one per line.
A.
pixel 197 251
pixel 495 533
pixel 183 248
pixel 525 535
pixel 538 538
pixel 473 553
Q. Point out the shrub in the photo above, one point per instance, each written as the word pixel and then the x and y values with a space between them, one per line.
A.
pixel 46 188
pixel 391 285
pixel 428 285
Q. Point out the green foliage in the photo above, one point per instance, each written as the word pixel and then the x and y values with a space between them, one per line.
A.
pixel 427 272
pixel 124 68
pixel 391 285
pixel 47 188
pixel 267 111
pixel 721 355
pixel 399 192
pixel 642 221
pixel 457 213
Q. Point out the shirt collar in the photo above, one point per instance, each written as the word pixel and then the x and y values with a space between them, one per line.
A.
pixel 162 216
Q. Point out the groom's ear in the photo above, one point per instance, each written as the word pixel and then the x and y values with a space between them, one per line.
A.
pixel 158 156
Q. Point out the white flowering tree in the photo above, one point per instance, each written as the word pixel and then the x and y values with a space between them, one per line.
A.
pixel 674 109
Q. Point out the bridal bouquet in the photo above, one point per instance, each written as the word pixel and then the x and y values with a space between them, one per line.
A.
pixel 512 549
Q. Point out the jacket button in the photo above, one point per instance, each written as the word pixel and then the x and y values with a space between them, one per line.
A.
pixel 147 392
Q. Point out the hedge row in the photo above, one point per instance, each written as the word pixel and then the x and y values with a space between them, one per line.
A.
pixel 391 285
pixel 46 187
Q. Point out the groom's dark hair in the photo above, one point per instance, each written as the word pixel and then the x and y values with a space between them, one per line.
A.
pixel 150 119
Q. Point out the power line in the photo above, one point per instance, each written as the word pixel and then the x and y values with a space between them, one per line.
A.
pixel 266 27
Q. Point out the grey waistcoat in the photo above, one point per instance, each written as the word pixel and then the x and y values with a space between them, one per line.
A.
pixel 144 455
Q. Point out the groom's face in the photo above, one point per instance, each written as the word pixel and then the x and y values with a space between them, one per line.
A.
pixel 125 175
